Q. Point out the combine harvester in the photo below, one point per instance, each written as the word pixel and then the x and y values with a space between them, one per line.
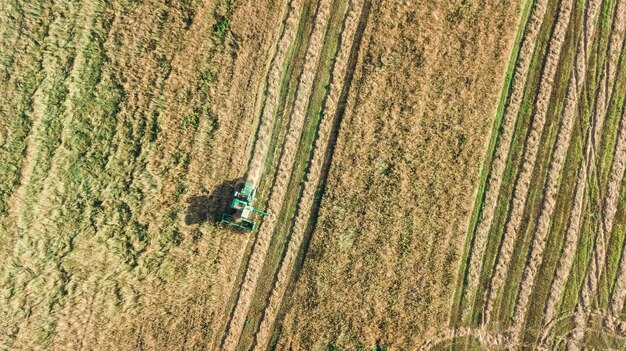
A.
pixel 241 208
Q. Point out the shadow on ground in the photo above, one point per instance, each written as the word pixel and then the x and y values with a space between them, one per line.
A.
pixel 203 208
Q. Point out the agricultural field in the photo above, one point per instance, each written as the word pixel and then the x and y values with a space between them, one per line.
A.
pixel 439 175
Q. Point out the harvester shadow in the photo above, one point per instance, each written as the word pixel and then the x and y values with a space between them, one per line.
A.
pixel 209 208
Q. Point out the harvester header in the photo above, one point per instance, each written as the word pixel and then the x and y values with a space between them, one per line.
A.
pixel 241 208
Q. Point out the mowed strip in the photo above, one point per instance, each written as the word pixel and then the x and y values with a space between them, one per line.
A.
pixel 277 195
pixel 321 84
pixel 313 178
pixel 272 93
pixel 530 155
pixel 551 187
pixel 598 257
pixel 268 97
pixel 501 154
pixel 566 260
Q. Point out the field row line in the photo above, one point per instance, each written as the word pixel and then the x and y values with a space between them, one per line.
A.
pixel 531 149
pixel 314 176
pixel 556 166
pixel 278 191
pixel 496 173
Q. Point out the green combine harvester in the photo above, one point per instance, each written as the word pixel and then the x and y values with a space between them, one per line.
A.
pixel 241 208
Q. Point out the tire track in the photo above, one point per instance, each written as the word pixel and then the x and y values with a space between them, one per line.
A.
pixel 502 151
pixel 267 110
pixel 481 334
pixel 616 176
pixel 350 40
pixel 617 300
pixel 556 166
pixel 571 238
pixel 596 264
pixel 279 188
pixel 530 157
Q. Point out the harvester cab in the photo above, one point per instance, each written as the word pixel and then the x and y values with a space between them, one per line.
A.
pixel 241 208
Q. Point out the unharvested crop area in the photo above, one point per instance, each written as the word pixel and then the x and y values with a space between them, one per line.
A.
pixel 439 174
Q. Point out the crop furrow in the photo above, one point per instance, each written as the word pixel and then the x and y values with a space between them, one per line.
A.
pixel 556 165
pixel 353 20
pixel 502 151
pixel 279 188
pixel 530 156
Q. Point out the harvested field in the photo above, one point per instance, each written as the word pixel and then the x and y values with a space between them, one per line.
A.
pixel 439 175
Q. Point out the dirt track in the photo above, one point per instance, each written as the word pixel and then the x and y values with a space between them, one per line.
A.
pixel 530 155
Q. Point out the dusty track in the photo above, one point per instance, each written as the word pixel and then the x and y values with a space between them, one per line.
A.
pixel 264 134
pixel 502 151
pixel 314 177
pixel 530 156
pixel 556 166
pixel 279 188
